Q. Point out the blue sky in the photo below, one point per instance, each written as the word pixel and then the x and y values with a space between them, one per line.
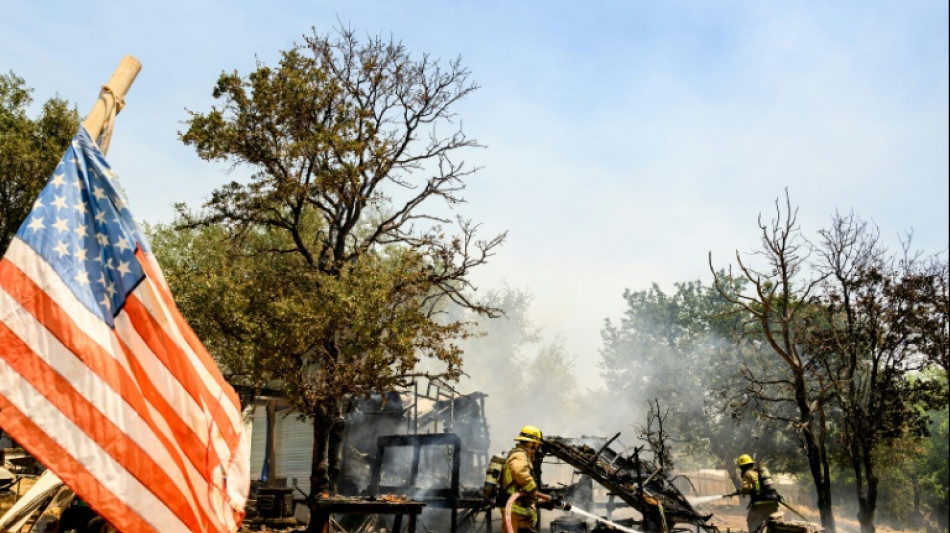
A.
pixel 624 140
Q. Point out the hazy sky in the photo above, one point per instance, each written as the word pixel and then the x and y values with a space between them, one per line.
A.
pixel 624 140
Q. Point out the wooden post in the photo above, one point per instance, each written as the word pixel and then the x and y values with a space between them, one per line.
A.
pixel 112 95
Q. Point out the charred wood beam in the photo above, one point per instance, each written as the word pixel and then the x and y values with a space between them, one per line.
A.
pixel 658 501
pixel 604 447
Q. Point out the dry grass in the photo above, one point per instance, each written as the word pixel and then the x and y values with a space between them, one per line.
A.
pixel 7 499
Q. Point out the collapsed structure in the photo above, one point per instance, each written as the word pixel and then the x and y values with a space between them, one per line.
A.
pixel 637 482
pixel 438 455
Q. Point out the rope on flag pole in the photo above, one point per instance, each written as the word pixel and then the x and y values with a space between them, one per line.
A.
pixel 100 120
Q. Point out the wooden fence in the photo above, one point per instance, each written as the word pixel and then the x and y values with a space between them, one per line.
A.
pixel 711 483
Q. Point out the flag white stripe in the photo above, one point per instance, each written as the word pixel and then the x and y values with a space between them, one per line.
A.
pixel 178 400
pixel 145 296
pixel 164 381
pixel 170 327
pixel 90 386
pixel 97 461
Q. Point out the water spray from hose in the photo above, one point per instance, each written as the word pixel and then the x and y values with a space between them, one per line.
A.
pixel 706 499
pixel 614 525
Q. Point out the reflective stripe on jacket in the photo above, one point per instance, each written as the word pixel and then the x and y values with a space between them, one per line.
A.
pixel 518 475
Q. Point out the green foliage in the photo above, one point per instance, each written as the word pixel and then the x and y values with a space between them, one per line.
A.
pixel 549 381
pixel 935 469
pixel 913 478
pixel 663 344
pixel 684 349
pixel 264 315
pixel 346 143
pixel 29 150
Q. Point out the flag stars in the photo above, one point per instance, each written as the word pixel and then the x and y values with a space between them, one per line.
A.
pixel 110 289
pixel 123 267
pixel 106 303
pixel 82 278
pixel 80 230
pixel 98 192
pixel 81 254
pixel 101 217
pixel 59 179
pixel 123 244
pixel 37 223
pixel 38 204
pixel 61 224
pixel 62 249
pixel 102 239
pixel 60 202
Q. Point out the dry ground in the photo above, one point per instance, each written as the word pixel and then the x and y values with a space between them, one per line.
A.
pixel 726 517
pixel 732 517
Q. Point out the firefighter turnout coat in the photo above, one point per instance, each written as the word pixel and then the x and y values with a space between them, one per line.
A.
pixel 518 475
pixel 760 508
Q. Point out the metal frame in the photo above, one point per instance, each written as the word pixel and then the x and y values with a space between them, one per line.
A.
pixel 440 498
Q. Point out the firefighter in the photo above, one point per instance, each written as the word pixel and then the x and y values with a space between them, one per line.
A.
pixel 764 498
pixel 518 476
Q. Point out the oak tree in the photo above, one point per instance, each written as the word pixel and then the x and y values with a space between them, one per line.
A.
pixel 351 144
pixel 29 149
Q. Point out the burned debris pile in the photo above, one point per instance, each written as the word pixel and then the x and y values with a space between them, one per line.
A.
pixel 635 481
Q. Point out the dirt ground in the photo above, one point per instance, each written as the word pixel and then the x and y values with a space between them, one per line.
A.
pixel 7 498
pixel 732 518
pixel 728 518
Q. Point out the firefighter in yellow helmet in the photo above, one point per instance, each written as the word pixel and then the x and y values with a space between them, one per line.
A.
pixel 764 499
pixel 518 476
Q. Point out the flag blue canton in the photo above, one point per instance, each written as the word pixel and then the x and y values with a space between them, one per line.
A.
pixel 81 226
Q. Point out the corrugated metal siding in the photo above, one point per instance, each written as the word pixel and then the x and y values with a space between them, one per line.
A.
pixel 258 440
pixel 294 449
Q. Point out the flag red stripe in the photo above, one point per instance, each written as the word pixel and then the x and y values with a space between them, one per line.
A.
pixel 170 353
pixel 99 497
pixel 189 335
pixel 60 393
pixel 191 444
pixel 132 389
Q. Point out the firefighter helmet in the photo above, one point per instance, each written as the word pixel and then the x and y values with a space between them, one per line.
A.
pixel 743 460
pixel 529 434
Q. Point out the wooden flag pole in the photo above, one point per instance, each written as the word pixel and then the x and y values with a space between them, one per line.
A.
pixel 111 96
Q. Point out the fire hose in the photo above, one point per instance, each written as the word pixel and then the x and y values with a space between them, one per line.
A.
pixel 792 509
pixel 506 516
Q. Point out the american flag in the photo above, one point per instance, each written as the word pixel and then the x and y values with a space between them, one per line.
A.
pixel 101 379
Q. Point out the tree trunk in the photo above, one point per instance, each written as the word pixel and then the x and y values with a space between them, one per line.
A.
pixel 269 467
pixel 320 463
pixel 916 518
pixel 823 490
pixel 327 456
pixel 817 456
pixel 335 445
pixel 867 496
